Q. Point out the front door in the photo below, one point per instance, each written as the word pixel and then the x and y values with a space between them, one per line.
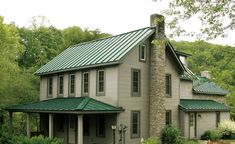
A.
pixel 192 125
pixel 72 130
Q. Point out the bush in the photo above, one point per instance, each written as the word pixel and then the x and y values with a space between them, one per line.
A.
pixel 151 141
pixel 36 140
pixel 227 129
pixel 171 135
pixel 211 135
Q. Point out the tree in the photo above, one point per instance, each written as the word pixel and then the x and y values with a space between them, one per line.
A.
pixel 217 16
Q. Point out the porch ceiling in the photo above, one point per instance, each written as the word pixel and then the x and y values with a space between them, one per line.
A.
pixel 77 105
pixel 201 105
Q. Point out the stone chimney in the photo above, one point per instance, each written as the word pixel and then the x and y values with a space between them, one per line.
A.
pixel 157 77
pixel 206 74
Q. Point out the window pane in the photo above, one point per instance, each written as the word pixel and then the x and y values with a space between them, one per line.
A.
pixel 168 84
pixel 100 125
pixel 135 126
pixel 85 125
pixel 50 86
pixel 85 82
pixel 100 81
pixel 168 117
pixel 135 81
pixel 72 84
pixel 61 84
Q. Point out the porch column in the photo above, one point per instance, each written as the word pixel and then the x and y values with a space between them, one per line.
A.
pixel 28 124
pixel 50 125
pixel 80 129
pixel 10 122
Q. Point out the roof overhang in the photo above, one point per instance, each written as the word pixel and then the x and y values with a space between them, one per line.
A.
pixel 76 105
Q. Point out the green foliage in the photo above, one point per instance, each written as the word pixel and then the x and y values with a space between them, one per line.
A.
pixel 151 141
pixel 216 17
pixel 227 129
pixel 211 135
pixel 171 135
pixel 35 140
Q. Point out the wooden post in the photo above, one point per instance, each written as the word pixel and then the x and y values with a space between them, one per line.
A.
pixel 80 129
pixel 28 124
pixel 50 125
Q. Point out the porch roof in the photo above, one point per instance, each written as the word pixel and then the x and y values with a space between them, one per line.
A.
pixel 75 105
pixel 201 105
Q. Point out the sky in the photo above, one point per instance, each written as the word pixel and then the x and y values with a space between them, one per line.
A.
pixel 109 16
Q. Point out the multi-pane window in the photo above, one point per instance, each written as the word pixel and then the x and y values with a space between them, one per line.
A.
pixel 49 86
pixel 85 83
pixel 60 85
pixel 217 118
pixel 168 85
pixel 135 124
pixel 100 81
pixel 168 117
pixel 100 126
pixel 71 84
pixel 142 52
pixel 135 82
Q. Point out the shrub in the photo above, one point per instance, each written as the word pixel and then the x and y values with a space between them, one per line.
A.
pixel 151 141
pixel 171 135
pixel 36 140
pixel 211 135
pixel 227 129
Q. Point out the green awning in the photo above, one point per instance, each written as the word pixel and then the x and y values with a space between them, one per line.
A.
pixel 201 105
pixel 77 105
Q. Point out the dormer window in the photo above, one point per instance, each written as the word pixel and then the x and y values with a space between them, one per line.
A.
pixel 142 52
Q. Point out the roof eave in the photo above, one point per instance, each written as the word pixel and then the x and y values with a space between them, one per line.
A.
pixel 202 110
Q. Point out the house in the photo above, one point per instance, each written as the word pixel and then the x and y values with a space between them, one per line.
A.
pixel 123 88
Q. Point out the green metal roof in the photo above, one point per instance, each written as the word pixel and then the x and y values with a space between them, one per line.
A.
pixel 203 85
pixel 202 105
pixel 67 105
pixel 106 51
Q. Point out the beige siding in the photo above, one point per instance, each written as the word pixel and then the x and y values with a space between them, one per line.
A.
pixel 130 103
pixel 186 89
pixel 217 98
pixel 171 103
pixel 224 116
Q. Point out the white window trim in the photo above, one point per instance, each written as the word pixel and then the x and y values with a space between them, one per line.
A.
pixel 58 87
pixel 97 83
pixel 69 88
pixel 140 52
pixel 83 86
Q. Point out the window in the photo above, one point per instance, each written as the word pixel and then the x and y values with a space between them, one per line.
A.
pixel 168 84
pixel 191 119
pixel 135 124
pixel 85 83
pixel 49 86
pixel 135 82
pixel 86 125
pixel 72 121
pixel 142 52
pixel 217 118
pixel 71 84
pixel 60 85
pixel 100 82
pixel 100 126
pixel 168 117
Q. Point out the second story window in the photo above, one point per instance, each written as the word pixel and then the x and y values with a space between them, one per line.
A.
pixel 72 84
pixel 168 84
pixel 60 85
pixel 85 83
pixel 135 82
pixel 100 82
pixel 142 52
pixel 49 86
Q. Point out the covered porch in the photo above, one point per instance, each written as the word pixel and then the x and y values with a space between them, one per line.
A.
pixel 196 116
pixel 78 120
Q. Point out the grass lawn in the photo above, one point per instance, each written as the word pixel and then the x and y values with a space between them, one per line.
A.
pixel 222 142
